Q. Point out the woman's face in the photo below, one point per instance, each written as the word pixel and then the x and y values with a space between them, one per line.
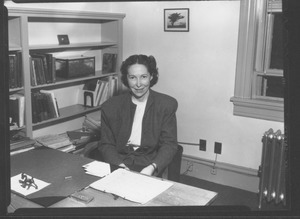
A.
pixel 139 81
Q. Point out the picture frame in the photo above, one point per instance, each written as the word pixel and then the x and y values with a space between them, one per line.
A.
pixel 176 20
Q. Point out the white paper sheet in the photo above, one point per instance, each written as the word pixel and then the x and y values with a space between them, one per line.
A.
pixel 16 185
pixel 132 186
pixel 97 168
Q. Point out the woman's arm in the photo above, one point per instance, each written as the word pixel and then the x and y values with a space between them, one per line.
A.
pixel 107 146
pixel 168 137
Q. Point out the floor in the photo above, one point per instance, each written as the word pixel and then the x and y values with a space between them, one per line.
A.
pixel 231 196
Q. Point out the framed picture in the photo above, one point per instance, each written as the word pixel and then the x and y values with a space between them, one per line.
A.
pixel 63 39
pixel 176 19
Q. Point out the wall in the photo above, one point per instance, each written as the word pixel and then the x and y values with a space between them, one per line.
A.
pixel 197 68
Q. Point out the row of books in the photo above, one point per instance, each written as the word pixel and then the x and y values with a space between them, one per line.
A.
pixel 16 111
pixel 42 69
pixel 15 70
pixel 44 106
pixel 96 92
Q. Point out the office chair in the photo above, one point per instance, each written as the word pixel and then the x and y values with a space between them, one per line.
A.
pixel 173 169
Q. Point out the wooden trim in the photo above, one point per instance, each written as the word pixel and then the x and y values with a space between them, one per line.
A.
pixel 220 165
pixel 14 11
pixel 225 174
pixel 268 110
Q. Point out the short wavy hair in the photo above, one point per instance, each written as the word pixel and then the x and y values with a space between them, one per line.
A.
pixel 148 61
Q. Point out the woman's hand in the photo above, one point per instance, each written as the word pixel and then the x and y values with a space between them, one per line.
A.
pixel 149 170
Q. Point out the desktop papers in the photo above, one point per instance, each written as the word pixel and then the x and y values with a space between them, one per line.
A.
pixel 16 184
pixel 132 186
pixel 97 168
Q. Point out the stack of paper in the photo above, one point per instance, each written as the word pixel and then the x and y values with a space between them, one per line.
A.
pixel 132 186
pixel 56 141
pixel 97 168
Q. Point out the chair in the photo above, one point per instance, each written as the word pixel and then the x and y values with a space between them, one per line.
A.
pixel 172 170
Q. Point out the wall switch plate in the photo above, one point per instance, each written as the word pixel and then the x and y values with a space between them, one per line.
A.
pixel 218 148
pixel 202 145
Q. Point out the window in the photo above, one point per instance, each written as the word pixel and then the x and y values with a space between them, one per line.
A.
pixel 259 85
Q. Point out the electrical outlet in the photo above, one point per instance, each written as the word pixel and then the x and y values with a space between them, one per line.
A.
pixel 202 145
pixel 218 148
pixel 213 171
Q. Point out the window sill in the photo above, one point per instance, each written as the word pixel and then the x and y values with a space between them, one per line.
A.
pixel 259 109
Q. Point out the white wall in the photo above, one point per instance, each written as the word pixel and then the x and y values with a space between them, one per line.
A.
pixel 197 68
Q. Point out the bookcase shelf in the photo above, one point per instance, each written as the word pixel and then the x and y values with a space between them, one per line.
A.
pixel 91 34
pixel 56 47
pixel 12 90
pixel 13 48
pixel 61 82
pixel 67 113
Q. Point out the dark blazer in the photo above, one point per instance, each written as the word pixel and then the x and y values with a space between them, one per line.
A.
pixel 159 131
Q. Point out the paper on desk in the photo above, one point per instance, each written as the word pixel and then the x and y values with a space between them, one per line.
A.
pixel 97 168
pixel 17 186
pixel 132 186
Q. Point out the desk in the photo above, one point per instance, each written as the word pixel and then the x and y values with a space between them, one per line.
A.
pixel 177 195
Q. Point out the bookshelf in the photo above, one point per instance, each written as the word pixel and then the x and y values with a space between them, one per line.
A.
pixel 91 34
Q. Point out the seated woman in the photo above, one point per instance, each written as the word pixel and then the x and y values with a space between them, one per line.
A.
pixel 139 127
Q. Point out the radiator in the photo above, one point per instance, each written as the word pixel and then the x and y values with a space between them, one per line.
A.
pixel 272 171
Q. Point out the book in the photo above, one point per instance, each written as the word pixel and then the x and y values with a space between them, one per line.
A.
pixel 21 100
pixel 100 92
pixel 43 107
pixel 67 148
pixel 19 69
pixel 109 63
pixel 12 71
pixel 105 93
pixel 54 141
pixel 34 108
pixel 22 143
pixel 51 105
pixel 37 68
pixel 33 81
pixel 15 70
pixel 53 101
pixel 48 63
pixel 44 63
pixel 17 109
pixel 13 110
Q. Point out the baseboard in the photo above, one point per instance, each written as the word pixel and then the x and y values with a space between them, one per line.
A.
pixel 223 173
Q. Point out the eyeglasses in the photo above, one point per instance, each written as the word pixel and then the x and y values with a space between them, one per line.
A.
pixel 26 181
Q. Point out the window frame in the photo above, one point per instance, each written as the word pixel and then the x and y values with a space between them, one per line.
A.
pixel 251 56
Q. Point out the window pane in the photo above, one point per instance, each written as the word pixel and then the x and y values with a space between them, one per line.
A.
pixel 276 61
pixel 271 86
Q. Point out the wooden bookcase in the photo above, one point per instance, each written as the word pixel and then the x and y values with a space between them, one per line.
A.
pixel 90 34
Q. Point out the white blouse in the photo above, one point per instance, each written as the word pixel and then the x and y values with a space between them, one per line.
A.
pixel 136 131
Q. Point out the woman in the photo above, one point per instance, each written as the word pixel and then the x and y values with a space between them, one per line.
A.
pixel 139 128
